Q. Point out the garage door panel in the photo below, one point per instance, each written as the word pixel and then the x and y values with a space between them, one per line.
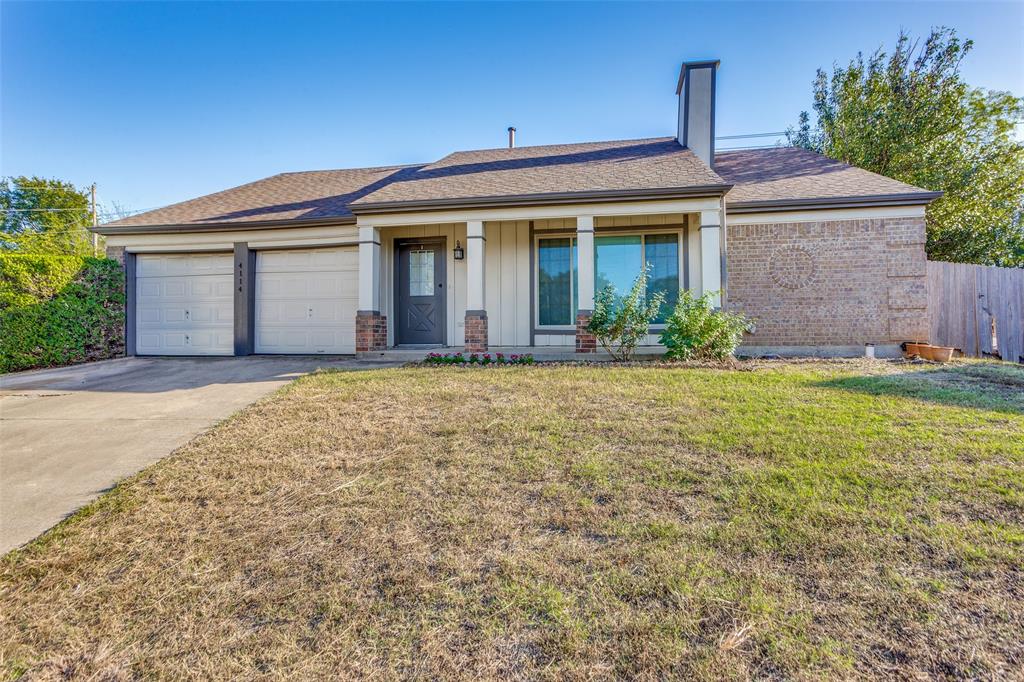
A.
pixel 308 260
pixel 326 285
pixel 306 301
pixel 284 340
pixel 176 265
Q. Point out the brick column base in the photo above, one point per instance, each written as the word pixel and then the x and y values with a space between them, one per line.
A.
pixel 371 331
pixel 476 331
pixel 585 341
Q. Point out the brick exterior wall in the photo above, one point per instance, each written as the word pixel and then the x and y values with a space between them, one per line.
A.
pixel 476 332
pixel 830 283
pixel 371 331
pixel 116 253
pixel 585 341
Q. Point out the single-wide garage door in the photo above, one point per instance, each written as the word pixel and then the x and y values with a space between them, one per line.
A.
pixel 184 304
pixel 306 300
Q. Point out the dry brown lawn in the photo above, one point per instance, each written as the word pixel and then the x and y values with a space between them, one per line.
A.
pixel 775 520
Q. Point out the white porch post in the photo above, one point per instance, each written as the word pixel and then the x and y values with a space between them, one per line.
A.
pixel 585 268
pixel 711 253
pixel 476 299
pixel 371 325
pixel 585 341
pixel 369 269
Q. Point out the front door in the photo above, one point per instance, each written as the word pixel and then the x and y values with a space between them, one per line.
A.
pixel 420 285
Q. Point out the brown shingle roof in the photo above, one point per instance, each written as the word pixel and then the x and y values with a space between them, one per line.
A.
pixel 790 174
pixel 303 196
pixel 626 166
pixel 775 175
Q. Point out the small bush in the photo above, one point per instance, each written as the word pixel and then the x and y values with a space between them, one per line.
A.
pixel 84 321
pixel 478 359
pixel 697 331
pixel 33 278
pixel 619 327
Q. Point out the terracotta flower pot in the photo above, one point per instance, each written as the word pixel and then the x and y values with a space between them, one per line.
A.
pixel 926 351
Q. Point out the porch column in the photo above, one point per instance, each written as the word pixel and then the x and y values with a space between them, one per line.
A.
pixel 585 341
pixel 371 325
pixel 476 299
pixel 711 253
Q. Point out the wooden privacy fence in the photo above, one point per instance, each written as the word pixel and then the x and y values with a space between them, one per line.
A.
pixel 978 309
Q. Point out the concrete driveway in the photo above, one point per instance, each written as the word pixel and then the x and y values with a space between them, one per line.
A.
pixel 68 434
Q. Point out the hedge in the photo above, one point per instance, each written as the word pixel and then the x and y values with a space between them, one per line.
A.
pixel 83 321
pixel 28 279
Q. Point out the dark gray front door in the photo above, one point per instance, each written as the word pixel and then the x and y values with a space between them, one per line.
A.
pixel 420 285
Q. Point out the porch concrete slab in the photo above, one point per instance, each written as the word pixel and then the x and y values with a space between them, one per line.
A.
pixel 68 434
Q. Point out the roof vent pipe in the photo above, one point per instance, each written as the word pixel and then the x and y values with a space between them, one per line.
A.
pixel 511 137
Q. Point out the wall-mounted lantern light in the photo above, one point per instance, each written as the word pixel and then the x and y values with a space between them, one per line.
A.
pixel 459 252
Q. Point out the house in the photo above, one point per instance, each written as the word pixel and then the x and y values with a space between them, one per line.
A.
pixel 505 248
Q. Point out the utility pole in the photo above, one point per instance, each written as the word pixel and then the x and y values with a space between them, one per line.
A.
pixel 95 222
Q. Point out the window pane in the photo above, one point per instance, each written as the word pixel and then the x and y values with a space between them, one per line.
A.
pixel 421 273
pixel 554 269
pixel 661 251
pixel 617 262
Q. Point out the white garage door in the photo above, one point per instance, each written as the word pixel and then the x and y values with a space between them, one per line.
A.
pixel 306 300
pixel 184 304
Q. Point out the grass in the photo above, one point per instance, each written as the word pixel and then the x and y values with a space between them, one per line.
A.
pixel 787 520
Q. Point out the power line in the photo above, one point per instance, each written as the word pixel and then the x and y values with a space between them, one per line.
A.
pixel 41 210
pixel 753 146
pixel 775 134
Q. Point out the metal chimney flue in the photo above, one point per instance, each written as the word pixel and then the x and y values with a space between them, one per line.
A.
pixel 511 137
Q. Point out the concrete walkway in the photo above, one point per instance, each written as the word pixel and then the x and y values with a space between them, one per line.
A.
pixel 68 434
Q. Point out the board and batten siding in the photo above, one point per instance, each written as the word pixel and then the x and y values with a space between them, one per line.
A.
pixel 507 282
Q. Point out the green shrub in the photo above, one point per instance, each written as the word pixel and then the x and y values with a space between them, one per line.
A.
pixel 84 321
pixel 32 278
pixel 697 331
pixel 619 327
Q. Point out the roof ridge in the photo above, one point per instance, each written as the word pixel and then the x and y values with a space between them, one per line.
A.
pixel 360 168
pixel 559 144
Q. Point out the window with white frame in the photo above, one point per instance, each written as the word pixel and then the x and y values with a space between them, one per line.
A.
pixel 556 282
pixel 618 259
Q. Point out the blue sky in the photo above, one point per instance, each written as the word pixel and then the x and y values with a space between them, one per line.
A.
pixel 161 102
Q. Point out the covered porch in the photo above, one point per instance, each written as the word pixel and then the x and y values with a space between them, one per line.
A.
pixel 523 280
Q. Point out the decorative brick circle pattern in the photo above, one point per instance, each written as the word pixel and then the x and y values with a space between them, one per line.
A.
pixel 792 267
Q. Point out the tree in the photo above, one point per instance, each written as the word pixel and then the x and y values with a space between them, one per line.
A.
pixel 44 216
pixel 909 115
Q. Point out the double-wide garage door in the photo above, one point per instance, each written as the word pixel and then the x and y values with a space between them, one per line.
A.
pixel 305 302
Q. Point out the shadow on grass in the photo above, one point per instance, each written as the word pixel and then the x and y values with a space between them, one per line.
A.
pixel 997 387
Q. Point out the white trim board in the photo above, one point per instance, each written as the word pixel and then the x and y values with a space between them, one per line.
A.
pixel 539 212
pixel 824 214
pixel 285 237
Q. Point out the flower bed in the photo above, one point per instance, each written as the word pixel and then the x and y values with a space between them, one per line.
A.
pixel 478 359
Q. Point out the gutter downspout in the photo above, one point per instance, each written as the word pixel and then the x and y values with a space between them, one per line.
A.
pixel 722 242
